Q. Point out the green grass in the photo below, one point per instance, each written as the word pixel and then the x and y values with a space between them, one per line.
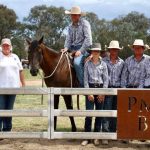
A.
pixel 41 123
pixel 28 76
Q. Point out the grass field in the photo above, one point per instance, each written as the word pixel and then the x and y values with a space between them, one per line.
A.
pixel 40 123
pixel 28 76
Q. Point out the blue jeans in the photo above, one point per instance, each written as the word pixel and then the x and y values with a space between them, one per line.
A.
pixel 109 123
pixel 88 120
pixel 78 64
pixel 6 103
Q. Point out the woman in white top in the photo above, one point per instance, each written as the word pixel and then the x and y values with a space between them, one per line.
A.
pixel 11 76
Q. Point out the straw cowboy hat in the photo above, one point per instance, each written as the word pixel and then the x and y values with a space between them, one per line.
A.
pixel 95 47
pixel 139 42
pixel 114 44
pixel 75 10
pixel 6 41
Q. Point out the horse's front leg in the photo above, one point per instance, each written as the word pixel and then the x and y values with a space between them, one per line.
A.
pixel 56 103
pixel 69 105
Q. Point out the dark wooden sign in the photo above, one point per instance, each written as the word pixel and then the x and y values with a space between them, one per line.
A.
pixel 133 114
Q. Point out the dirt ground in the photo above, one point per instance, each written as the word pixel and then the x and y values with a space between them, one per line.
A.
pixel 44 144
pixel 33 82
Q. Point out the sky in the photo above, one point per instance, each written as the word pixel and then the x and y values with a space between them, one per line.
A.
pixel 107 9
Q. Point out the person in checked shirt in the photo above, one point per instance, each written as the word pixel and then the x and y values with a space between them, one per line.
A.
pixel 78 40
pixel 95 76
pixel 133 75
pixel 115 67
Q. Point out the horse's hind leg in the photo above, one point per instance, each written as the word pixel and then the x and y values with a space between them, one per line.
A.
pixel 56 103
pixel 68 102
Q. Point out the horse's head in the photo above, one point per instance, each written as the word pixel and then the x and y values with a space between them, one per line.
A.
pixel 34 55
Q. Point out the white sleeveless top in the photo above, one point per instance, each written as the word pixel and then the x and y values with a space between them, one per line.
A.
pixel 10 67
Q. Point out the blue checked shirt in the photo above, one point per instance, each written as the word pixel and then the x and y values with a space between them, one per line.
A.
pixel 134 72
pixel 95 73
pixel 79 35
pixel 114 71
pixel 146 72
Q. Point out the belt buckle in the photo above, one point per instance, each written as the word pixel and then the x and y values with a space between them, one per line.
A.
pixel 96 85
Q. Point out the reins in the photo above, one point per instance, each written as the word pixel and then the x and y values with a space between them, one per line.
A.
pixel 66 54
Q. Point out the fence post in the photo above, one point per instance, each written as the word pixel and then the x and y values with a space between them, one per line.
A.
pixel 49 114
pixel 52 112
pixel 42 97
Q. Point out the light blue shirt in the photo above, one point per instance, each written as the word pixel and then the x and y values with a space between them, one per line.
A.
pixel 79 35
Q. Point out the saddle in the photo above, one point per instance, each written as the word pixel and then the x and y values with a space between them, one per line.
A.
pixel 71 57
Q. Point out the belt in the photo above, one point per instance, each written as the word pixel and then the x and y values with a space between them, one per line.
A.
pixel 130 86
pixel 114 86
pixel 95 85
pixel 147 86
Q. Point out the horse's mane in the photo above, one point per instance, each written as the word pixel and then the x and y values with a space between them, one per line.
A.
pixel 35 43
pixel 54 51
pixel 50 49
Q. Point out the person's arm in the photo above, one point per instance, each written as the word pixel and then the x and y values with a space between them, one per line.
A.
pixel 143 76
pixel 105 77
pixel 22 80
pixel 105 82
pixel 68 40
pixel 88 36
pixel 124 75
pixel 86 83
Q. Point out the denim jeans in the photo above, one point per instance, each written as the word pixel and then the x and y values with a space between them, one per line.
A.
pixel 6 103
pixel 79 65
pixel 88 120
pixel 109 124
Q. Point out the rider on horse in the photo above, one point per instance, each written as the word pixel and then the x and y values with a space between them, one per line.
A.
pixel 78 40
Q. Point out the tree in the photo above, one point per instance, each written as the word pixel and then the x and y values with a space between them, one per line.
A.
pixel 7 22
pixel 50 22
pixel 100 29
pixel 140 23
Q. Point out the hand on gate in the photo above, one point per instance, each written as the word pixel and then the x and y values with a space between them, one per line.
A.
pixel 100 98
pixel 91 98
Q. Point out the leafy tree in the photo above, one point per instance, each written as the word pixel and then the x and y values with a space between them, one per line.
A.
pixel 7 22
pixel 99 29
pixel 50 22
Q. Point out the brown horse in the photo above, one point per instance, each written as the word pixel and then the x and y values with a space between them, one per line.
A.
pixel 40 56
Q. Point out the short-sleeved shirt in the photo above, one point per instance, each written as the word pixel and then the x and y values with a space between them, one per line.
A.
pixel 10 67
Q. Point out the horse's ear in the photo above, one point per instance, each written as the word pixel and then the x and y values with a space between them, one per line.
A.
pixel 28 41
pixel 41 40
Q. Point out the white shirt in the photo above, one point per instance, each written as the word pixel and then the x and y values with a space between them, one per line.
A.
pixel 10 67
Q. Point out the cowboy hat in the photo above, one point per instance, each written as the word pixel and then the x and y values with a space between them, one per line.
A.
pixel 75 10
pixel 114 44
pixel 95 47
pixel 139 42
